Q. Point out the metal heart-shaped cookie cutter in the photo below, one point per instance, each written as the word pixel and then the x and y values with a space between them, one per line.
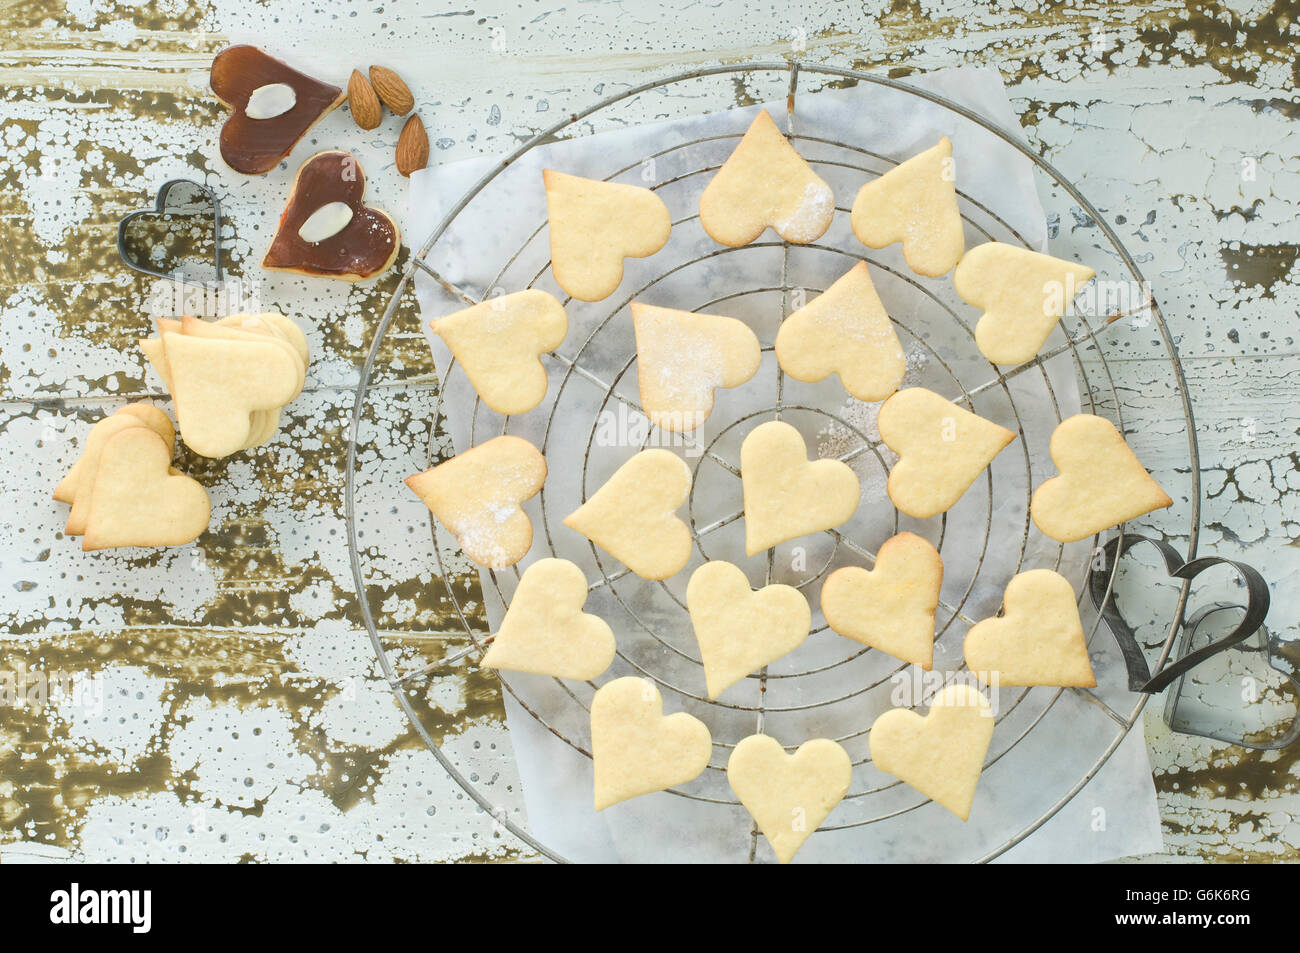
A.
pixel 1192 650
pixel 162 206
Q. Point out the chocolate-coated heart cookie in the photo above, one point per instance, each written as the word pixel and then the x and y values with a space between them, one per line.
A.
pixel 272 107
pixel 326 230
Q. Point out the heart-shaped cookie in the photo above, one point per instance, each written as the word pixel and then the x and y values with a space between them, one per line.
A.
pixel 1023 295
pixel 216 383
pixel 594 225
pixel 137 498
pixel 225 330
pixel 914 203
pixel 740 630
pixel 1101 482
pixel 941 754
pixel 789 795
pixel 545 630
pixel 499 343
pixel 272 107
pixel 632 516
pixel 786 494
pixel 171 225
pixel 765 183
pixel 478 496
pixel 941 450
pixel 844 331
pixel 326 230
pixel 134 414
pixel 1038 639
pixel 681 357
pixel 77 487
pixel 890 607
pixel 265 327
pixel 636 748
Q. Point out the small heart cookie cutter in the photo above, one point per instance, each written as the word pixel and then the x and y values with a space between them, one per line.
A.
pixel 160 207
pixel 1207 721
pixel 1185 655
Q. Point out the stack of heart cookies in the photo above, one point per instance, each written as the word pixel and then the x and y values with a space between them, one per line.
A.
pixel 124 490
pixel 230 378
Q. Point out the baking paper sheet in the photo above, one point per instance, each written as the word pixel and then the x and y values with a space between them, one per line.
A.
pixel 1046 740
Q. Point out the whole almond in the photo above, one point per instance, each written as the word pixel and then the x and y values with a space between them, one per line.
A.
pixel 412 146
pixel 364 103
pixel 395 94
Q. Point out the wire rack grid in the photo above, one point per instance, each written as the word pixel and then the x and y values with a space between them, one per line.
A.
pixel 1098 388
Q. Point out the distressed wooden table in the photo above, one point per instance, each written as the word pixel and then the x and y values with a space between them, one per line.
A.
pixel 218 701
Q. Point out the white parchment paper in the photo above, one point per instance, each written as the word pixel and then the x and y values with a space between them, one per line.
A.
pixel 1046 740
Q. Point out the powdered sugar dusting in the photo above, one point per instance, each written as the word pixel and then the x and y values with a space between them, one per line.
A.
pixel 852 323
pixel 837 439
pixel 678 372
pixel 813 215
pixel 487 529
pixel 480 533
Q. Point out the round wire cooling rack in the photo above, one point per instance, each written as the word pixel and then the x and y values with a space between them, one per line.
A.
pixel 835 693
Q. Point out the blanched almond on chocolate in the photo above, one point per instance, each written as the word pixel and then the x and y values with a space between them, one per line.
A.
pixel 391 88
pixel 412 147
pixel 269 101
pixel 366 110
